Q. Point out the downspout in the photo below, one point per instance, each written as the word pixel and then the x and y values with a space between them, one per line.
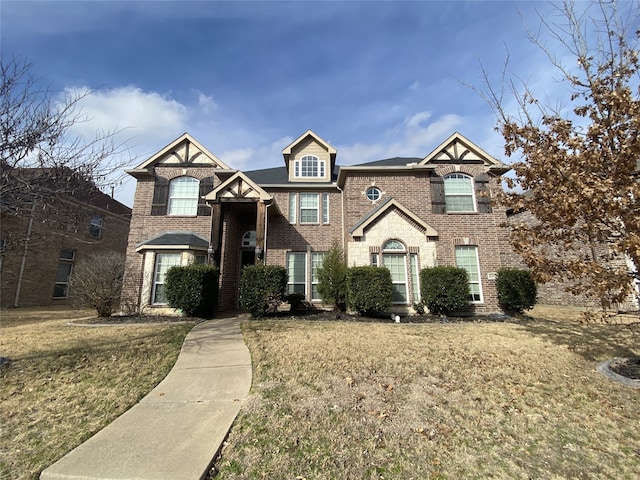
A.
pixel 16 302
pixel 266 220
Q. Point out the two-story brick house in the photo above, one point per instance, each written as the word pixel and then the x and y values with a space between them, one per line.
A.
pixel 401 213
pixel 41 240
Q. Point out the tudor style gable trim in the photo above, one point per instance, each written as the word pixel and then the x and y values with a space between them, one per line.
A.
pixel 457 150
pixel 390 204
pixel 184 151
pixel 238 187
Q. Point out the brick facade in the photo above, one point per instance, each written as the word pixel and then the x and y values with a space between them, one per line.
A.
pixel 34 239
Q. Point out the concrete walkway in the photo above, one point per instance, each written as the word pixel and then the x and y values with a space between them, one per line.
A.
pixel 175 431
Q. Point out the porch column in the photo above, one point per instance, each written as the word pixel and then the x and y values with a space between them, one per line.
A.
pixel 214 241
pixel 261 210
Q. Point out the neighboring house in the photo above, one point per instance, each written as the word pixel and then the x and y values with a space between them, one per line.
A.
pixel 42 240
pixel 401 213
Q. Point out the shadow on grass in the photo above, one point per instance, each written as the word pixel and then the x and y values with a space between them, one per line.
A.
pixel 593 342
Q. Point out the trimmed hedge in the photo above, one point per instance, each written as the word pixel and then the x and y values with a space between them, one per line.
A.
pixel 193 289
pixel 516 290
pixel 444 289
pixel 262 289
pixel 369 289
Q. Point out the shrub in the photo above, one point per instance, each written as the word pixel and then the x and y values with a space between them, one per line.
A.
pixel 369 289
pixel 332 278
pixel 96 282
pixel 193 289
pixel 444 289
pixel 262 289
pixel 516 290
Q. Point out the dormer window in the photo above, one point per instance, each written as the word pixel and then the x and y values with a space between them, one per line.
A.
pixel 309 166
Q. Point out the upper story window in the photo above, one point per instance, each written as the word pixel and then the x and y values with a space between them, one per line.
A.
pixel 95 225
pixel 309 166
pixel 249 239
pixel 373 193
pixel 183 196
pixel 458 193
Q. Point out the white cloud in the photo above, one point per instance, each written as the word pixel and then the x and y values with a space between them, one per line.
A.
pixel 412 138
pixel 206 103
pixel 414 85
pixel 146 117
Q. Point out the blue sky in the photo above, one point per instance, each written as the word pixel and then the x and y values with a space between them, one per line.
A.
pixel 375 79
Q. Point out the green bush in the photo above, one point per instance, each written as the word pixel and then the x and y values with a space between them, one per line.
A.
pixel 262 289
pixel 369 289
pixel 444 289
pixel 193 289
pixel 332 278
pixel 516 290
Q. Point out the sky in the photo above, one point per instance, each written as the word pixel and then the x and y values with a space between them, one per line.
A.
pixel 375 79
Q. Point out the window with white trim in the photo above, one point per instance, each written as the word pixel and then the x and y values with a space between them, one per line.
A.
pixel 164 261
pixel 65 267
pixel 373 193
pixel 459 193
pixel 325 207
pixel 395 259
pixel 249 239
pixel 309 208
pixel 317 258
pixel 184 193
pixel 467 258
pixel 309 166
pixel 415 277
pixel 297 272
pixel 293 207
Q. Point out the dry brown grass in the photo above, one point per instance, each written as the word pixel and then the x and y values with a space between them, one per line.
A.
pixel 67 382
pixel 338 400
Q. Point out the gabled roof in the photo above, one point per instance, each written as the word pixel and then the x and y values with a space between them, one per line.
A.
pixel 287 150
pixel 458 149
pixel 191 153
pixel 389 204
pixel 238 187
pixel 174 241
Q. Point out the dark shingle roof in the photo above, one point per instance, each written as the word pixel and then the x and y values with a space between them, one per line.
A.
pixel 177 238
pixel 390 162
pixel 278 176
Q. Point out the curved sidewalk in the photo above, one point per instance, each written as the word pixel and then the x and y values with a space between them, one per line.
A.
pixel 175 431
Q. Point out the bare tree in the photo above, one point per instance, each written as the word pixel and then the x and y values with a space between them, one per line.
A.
pixel 577 159
pixel 40 158
pixel 96 282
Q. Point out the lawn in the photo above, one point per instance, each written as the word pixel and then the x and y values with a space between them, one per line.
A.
pixel 67 382
pixel 504 400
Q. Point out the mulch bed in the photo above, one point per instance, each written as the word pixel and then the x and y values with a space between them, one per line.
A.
pixel 627 367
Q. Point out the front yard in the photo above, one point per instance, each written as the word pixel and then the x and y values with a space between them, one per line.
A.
pixel 336 400
pixel 66 382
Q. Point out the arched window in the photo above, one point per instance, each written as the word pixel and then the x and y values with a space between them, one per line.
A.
pixel 373 193
pixel 309 166
pixel 395 259
pixel 458 193
pixel 183 196
pixel 249 239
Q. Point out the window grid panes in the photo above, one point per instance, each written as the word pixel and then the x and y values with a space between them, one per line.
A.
pixel 164 261
pixel 458 192
pixel 373 194
pixel 309 166
pixel 249 239
pixel 297 272
pixel 316 262
pixel 183 196
pixel 415 282
pixel 325 207
pixel 397 267
pixel 65 267
pixel 95 226
pixel 308 208
pixel 467 258
pixel 293 207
